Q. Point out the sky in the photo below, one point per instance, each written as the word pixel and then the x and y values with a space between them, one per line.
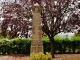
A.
pixel 66 34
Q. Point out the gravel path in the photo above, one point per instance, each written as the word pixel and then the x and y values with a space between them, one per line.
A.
pixel 27 57
pixel 15 57
pixel 68 56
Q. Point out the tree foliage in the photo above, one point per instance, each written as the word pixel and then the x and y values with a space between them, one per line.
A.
pixel 13 20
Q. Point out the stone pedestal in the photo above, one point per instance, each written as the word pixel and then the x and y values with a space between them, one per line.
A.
pixel 36 43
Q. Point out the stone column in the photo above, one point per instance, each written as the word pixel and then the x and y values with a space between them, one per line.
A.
pixel 36 43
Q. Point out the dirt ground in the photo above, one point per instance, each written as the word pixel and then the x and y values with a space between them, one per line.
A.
pixel 27 57
pixel 68 56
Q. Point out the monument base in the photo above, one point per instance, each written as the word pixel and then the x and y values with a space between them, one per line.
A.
pixel 36 49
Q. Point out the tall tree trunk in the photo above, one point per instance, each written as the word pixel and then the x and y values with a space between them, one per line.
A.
pixel 52 46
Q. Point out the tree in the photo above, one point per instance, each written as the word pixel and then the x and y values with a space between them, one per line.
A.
pixel 74 19
pixel 13 19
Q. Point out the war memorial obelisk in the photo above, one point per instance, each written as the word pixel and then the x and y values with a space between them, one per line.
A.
pixel 36 43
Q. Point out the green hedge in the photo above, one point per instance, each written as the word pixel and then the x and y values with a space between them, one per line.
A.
pixel 22 46
pixel 67 46
pixel 15 46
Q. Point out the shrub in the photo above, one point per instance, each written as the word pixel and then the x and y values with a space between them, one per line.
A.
pixel 40 56
pixel 15 46
pixel 46 46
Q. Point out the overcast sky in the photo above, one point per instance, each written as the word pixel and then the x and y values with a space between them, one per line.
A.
pixel 66 34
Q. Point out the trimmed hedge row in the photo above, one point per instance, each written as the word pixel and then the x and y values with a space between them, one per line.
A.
pixel 67 46
pixel 16 46
pixel 22 46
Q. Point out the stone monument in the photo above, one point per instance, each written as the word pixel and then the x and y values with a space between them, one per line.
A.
pixel 36 43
